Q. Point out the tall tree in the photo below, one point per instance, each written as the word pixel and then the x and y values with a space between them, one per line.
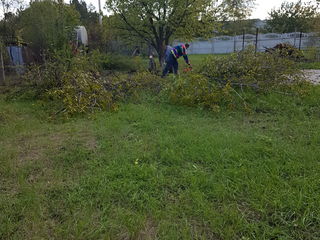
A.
pixel 235 10
pixel 9 29
pixel 88 15
pixel 90 19
pixel 8 24
pixel 12 6
pixel 234 15
pixel 156 21
pixel 293 16
pixel 48 25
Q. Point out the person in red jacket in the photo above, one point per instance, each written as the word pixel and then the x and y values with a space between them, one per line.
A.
pixel 173 56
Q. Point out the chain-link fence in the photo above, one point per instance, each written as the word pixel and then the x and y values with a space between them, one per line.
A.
pixel 11 63
pixel 261 42
pixel 215 45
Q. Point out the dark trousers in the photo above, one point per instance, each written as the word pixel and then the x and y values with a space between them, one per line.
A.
pixel 171 63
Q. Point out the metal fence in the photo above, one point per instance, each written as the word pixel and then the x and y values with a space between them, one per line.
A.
pixel 229 44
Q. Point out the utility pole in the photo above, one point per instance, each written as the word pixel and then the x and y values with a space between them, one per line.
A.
pixel 243 38
pixel 257 38
pixel 100 12
pixel 3 75
pixel 295 37
pixel 234 42
pixel 2 68
pixel 300 40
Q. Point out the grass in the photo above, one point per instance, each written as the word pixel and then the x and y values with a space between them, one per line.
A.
pixel 197 59
pixel 310 65
pixel 157 171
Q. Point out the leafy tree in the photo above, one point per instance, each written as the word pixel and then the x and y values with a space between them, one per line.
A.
pixel 235 10
pixel 48 25
pixel 292 17
pixel 234 15
pixel 8 24
pixel 317 21
pixel 156 21
pixel 9 28
pixel 90 19
pixel 12 6
pixel 238 26
pixel 88 15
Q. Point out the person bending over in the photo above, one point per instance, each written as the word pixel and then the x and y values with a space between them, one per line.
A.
pixel 173 56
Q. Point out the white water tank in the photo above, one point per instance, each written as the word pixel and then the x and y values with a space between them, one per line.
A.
pixel 82 35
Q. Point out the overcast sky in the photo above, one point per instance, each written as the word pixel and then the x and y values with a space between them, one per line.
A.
pixel 264 6
pixel 261 10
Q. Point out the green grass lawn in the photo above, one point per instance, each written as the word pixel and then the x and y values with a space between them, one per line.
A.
pixel 197 59
pixel 157 171
pixel 310 65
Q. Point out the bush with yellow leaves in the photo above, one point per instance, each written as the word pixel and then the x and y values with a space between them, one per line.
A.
pixel 261 71
pixel 82 92
pixel 234 81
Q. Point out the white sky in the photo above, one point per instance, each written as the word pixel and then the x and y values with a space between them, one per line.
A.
pixel 264 6
pixel 261 10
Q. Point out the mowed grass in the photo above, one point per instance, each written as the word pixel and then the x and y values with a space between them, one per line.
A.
pixel 310 65
pixel 157 171
pixel 197 59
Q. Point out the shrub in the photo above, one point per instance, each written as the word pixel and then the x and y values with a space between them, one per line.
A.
pixel 235 81
pixel 260 71
pixel 47 26
pixel 286 50
pixel 312 54
pixel 82 92
pixel 39 78
pixel 50 74
pixel 80 84
pixel 116 62
pixel 194 89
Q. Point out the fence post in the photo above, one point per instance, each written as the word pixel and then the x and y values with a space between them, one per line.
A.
pixel 256 45
pixel 300 40
pixel 234 43
pixel 2 68
pixel 212 45
pixel 243 38
pixel 295 37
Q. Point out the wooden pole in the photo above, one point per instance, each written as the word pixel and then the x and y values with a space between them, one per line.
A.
pixel 300 41
pixel 243 39
pixel 212 45
pixel 295 37
pixel 2 68
pixel 100 12
pixel 257 35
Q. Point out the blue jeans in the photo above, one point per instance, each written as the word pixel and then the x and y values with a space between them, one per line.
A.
pixel 171 62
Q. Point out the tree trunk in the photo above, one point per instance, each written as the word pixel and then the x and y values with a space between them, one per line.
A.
pixel 161 53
